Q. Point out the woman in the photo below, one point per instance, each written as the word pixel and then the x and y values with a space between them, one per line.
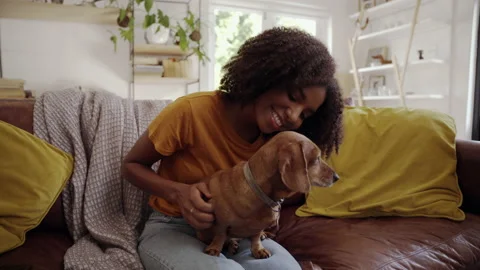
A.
pixel 280 80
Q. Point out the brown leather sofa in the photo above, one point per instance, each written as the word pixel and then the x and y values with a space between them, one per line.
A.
pixel 316 242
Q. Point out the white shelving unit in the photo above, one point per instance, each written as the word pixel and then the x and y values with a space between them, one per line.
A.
pixel 145 78
pixel 397 97
pixel 391 67
pixel 159 50
pixel 400 31
pixel 150 67
pixel 373 32
pixel 389 8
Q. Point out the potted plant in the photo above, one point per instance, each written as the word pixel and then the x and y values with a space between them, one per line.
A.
pixel 186 36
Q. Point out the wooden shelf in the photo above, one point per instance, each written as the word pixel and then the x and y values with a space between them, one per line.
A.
pixel 159 50
pixel 406 96
pixel 390 66
pixel 152 78
pixel 403 30
pixel 21 9
pixel 174 1
pixel 389 8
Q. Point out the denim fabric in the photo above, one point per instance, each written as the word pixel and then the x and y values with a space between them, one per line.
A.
pixel 170 243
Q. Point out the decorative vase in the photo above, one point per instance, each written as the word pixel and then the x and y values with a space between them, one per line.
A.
pixel 154 37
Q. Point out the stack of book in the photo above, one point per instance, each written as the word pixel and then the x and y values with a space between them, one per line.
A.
pixel 12 88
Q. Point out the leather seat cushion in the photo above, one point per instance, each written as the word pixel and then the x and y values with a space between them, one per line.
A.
pixel 41 251
pixel 380 243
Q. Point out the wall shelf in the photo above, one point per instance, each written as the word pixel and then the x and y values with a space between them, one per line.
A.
pixel 404 29
pixel 153 78
pixel 21 9
pixel 389 8
pixel 390 66
pixel 159 50
pixel 366 98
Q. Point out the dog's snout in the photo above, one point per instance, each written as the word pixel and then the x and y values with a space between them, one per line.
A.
pixel 335 177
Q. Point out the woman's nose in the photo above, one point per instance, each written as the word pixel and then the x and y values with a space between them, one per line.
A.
pixel 294 116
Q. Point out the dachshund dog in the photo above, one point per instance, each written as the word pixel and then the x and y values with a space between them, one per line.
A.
pixel 247 197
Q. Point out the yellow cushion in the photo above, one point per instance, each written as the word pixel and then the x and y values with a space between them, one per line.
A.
pixel 393 162
pixel 32 174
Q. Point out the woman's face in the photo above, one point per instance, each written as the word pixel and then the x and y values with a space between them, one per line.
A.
pixel 278 110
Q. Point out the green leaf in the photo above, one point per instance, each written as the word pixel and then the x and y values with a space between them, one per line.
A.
pixel 127 35
pixel 183 43
pixel 158 29
pixel 164 21
pixel 123 13
pixel 131 23
pixel 182 35
pixel 190 20
pixel 148 5
pixel 138 2
pixel 113 38
pixel 149 20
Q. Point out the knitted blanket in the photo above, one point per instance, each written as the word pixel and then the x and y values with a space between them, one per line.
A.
pixel 104 212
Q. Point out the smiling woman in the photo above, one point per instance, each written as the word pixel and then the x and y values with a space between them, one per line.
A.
pixel 299 70
pixel 279 80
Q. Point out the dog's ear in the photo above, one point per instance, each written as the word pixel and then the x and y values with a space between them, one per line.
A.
pixel 292 165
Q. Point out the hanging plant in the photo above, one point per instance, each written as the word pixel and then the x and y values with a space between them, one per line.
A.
pixel 188 38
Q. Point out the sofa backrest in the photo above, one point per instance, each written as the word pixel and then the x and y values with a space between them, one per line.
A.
pixel 19 112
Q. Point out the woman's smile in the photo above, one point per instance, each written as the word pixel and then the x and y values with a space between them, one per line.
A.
pixel 276 120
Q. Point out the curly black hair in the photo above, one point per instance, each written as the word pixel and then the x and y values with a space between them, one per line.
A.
pixel 291 59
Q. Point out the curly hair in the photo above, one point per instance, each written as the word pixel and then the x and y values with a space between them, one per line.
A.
pixel 292 59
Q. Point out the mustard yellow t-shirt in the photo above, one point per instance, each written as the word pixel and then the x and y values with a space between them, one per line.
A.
pixel 197 140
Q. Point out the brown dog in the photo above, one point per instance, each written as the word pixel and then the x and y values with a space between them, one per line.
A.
pixel 246 198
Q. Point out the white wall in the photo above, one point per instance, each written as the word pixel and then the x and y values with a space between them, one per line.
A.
pixel 56 55
pixel 460 64
pixel 53 55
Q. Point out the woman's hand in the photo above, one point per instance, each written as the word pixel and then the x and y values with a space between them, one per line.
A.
pixel 195 210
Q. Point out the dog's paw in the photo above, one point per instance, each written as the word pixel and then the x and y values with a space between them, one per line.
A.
pixel 233 247
pixel 261 253
pixel 212 251
pixel 264 235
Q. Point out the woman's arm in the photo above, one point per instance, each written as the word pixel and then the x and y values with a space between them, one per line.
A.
pixel 136 168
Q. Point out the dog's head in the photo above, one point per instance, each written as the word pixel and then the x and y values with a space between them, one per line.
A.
pixel 301 166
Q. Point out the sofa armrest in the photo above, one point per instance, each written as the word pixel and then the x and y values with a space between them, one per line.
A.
pixel 468 171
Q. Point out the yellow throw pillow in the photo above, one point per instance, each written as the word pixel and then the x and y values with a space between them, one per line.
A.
pixel 32 174
pixel 393 162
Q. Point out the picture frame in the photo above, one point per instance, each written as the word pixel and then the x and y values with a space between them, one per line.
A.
pixel 370 61
pixel 376 81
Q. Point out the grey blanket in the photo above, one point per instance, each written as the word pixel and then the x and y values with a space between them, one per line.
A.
pixel 103 211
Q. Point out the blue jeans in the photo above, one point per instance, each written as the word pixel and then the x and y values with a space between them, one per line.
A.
pixel 170 243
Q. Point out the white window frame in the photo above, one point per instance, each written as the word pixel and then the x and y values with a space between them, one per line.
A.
pixel 270 9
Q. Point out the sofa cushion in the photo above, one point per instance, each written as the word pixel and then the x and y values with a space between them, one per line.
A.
pixel 380 242
pixel 27 194
pixel 41 251
pixel 393 162
pixel 19 112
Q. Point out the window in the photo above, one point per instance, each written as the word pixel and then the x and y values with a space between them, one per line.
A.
pixel 234 24
pixel 232 28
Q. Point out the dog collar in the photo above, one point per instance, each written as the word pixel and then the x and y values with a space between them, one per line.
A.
pixel 258 191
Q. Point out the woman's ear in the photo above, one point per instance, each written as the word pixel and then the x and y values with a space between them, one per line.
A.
pixel 292 165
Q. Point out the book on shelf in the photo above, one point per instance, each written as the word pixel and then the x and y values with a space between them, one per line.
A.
pixel 12 88
pixel 146 60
